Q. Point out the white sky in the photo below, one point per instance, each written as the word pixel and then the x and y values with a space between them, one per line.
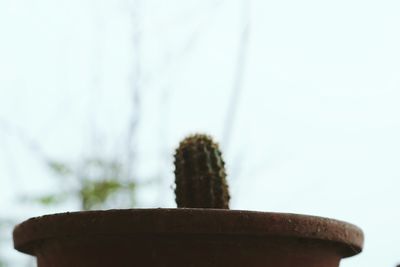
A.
pixel 318 124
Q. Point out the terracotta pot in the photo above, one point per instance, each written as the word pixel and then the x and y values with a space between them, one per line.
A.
pixel 186 237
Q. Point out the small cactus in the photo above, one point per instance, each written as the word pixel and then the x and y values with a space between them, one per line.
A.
pixel 200 174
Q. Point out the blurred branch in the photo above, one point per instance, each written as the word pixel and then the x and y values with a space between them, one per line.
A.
pixel 97 181
pixel 97 178
pixel 32 144
pixel 164 157
pixel 136 97
pixel 238 78
pixel 206 22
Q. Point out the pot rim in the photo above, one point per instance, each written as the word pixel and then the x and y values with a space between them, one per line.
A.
pixel 163 221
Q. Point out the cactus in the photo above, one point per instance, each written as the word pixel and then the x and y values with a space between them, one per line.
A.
pixel 200 174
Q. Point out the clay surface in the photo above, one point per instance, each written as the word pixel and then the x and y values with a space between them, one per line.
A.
pixel 186 237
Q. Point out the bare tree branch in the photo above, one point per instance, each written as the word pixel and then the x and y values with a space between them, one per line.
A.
pixel 136 97
pixel 32 144
pixel 238 78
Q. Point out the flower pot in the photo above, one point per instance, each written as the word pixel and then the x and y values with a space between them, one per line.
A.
pixel 186 237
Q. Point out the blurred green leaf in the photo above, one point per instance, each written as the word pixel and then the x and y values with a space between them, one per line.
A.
pixel 50 199
pixel 131 186
pixel 95 193
pixel 98 180
pixel 60 168
pixel 47 199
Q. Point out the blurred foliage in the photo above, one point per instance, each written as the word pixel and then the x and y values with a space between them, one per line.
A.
pixel 94 194
pixel 93 181
pixel 59 168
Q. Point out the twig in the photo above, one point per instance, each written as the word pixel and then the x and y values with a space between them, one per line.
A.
pixel 238 78
pixel 134 118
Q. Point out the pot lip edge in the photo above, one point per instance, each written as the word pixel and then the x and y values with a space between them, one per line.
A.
pixel 352 240
pixel 192 210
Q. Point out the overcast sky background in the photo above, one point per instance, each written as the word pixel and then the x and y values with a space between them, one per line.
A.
pixel 317 127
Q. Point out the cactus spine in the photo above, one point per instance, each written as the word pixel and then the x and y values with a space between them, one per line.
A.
pixel 200 175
